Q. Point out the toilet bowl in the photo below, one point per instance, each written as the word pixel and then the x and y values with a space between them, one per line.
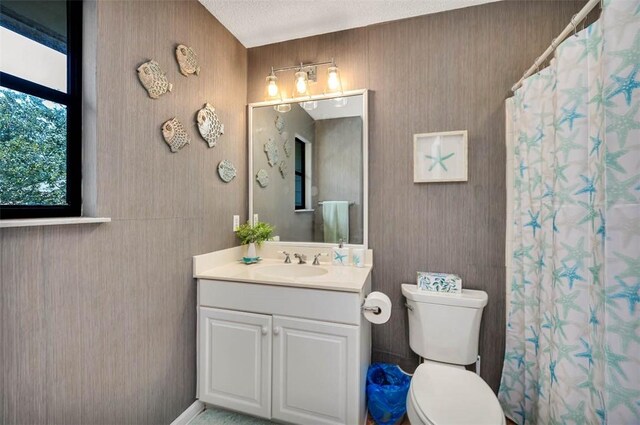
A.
pixel 444 330
pixel 447 395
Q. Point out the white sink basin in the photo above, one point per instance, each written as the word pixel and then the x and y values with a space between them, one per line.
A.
pixel 290 271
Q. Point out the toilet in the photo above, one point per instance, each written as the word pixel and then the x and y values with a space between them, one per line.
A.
pixel 444 331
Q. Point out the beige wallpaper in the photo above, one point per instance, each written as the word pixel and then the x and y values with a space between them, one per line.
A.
pixel 97 323
pixel 448 71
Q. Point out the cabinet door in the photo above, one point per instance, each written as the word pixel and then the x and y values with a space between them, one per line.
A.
pixel 314 372
pixel 235 360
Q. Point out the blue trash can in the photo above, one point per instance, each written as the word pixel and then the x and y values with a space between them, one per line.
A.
pixel 387 388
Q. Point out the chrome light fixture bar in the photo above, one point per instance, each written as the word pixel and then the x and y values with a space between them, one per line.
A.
pixel 305 73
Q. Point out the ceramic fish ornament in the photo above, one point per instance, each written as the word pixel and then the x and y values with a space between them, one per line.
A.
pixel 286 143
pixel 226 171
pixel 175 134
pixel 263 178
pixel 271 149
pixel 187 60
pixel 284 170
pixel 280 123
pixel 154 79
pixel 209 125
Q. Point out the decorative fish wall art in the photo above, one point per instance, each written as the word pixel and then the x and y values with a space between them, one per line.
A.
pixel 271 149
pixel 284 170
pixel 280 123
pixel 175 134
pixel 262 177
pixel 226 171
pixel 154 79
pixel 209 125
pixel 286 144
pixel 187 60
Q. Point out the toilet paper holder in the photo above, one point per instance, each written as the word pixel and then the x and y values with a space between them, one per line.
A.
pixel 376 308
pixel 373 309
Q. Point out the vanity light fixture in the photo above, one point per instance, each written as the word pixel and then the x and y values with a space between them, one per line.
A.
pixel 273 93
pixel 334 85
pixel 283 107
pixel 272 85
pixel 305 74
pixel 310 105
pixel 302 82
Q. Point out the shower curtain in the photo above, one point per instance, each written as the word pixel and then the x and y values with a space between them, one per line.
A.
pixel 573 329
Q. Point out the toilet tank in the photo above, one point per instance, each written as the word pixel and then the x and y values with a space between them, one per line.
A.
pixel 445 327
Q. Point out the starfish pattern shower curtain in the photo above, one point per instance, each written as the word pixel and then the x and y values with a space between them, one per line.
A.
pixel 573 330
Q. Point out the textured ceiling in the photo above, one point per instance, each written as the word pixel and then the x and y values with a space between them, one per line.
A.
pixel 260 22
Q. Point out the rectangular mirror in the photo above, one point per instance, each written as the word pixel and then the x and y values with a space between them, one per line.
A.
pixel 308 168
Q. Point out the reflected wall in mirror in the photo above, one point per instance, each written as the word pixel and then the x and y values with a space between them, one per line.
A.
pixel 317 191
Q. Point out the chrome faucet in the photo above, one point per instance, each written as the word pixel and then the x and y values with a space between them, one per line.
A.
pixel 302 259
pixel 316 261
pixel 287 259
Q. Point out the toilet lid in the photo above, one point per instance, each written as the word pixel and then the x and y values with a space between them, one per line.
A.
pixel 447 395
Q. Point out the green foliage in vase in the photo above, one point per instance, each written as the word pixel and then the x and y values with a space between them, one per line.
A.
pixel 257 234
pixel 33 152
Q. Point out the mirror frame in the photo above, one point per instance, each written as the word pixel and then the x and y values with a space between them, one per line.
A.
pixel 365 161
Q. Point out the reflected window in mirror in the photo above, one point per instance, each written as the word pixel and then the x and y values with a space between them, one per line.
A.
pixel 300 171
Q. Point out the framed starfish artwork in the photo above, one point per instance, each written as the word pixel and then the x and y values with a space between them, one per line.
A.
pixel 440 157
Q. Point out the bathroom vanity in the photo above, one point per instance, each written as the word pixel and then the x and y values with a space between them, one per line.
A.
pixel 283 341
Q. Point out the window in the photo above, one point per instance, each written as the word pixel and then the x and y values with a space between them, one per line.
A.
pixel 40 108
pixel 300 173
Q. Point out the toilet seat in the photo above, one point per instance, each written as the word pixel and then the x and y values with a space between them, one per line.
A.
pixel 442 394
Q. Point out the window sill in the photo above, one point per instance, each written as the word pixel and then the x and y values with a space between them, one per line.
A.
pixel 32 222
pixel 303 211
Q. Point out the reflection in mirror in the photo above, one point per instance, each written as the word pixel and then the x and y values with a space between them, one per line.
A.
pixel 313 155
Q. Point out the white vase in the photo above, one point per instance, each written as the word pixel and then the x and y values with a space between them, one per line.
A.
pixel 251 250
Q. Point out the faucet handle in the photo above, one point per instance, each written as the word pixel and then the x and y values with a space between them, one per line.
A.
pixel 287 258
pixel 316 262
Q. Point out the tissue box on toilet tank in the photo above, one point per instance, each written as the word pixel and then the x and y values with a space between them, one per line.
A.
pixel 439 282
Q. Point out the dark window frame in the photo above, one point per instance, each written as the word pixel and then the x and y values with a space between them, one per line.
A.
pixel 73 101
pixel 300 173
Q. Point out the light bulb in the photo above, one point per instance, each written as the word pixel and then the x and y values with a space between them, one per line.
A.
pixel 309 106
pixel 301 82
pixel 283 107
pixel 301 86
pixel 333 81
pixel 272 85
pixel 273 89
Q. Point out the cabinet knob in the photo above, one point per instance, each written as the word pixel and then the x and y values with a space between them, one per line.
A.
pixel 276 330
pixel 265 330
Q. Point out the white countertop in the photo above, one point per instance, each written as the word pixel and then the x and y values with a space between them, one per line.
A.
pixel 226 265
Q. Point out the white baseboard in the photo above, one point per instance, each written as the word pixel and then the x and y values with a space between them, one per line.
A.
pixel 189 414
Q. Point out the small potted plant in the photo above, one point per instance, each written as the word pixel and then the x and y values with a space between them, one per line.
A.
pixel 252 235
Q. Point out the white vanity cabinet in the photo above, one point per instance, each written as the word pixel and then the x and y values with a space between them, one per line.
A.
pixel 315 364
pixel 291 354
pixel 235 360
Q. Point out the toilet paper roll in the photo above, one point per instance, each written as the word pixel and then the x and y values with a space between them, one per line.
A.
pixel 380 300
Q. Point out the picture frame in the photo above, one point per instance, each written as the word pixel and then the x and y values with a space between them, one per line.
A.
pixel 440 157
